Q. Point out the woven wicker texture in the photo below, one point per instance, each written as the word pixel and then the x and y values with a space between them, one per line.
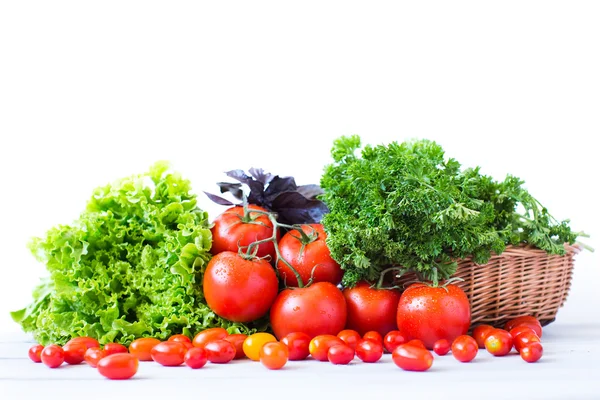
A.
pixel 520 281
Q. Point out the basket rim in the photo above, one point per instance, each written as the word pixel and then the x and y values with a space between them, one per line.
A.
pixel 530 250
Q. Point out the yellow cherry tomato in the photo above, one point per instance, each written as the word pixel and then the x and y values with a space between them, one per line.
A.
pixel 254 343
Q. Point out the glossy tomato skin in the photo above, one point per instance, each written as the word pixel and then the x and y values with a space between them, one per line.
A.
pixel 53 356
pixel 517 330
pixel 88 341
pixel 298 345
pixel 350 337
pixel 237 289
pixel 369 351
pixel 535 327
pixel 74 353
pixel 274 355
pixel 416 343
pixel 118 366
pixel 142 348
pixel 480 333
pixel 442 347
pixel 208 335
pixel 230 231
pixel 532 352
pixel 433 313
pixel 35 353
pixel 255 342
pixel 464 348
pixel 114 348
pixel 237 340
pixel 319 346
pixel 169 354
pixel 220 351
pixel 371 309
pixel 373 335
pixel 524 318
pixel 180 338
pixel 523 339
pixel 195 357
pixel 93 355
pixel 412 358
pixel 499 342
pixel 340 354
pixel 392 340
pixel 306 258
pixel 319 309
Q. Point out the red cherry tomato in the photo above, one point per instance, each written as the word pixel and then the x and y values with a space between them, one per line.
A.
pixel 369 351
pixel 319 346
pixel 350 337
pixel 373 335
pixel 536 327
pixel 532 352
pixel 142 348
pixel 169 354
pixel 93 355
pixel 53 356
pixel 412 358
pixel 464 348
pixel 237 340
pixel 88 341
pixel 516 321
pixel 517 330
pixel 523 339
pixel 499 342
pixel 442 347
pixel 35 353
pixel 340 354
pixel 208 335
pixel 114 348
pixel 219 351
pixel 274 355
pixel 480 333
pixel 298 345
pixel 118 366
pixel 371 309
pixel 180 338
pixel 195 357
pixel 416 343
pixel 392 340
pixel 74 353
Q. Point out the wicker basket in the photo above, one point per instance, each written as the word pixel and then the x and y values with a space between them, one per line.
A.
pixel 520 281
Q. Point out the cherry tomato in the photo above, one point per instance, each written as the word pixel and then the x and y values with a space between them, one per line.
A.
pixel 88 341
pixel 371 309
pixel 480 333
pixel 442 347
pixel 274 355
pixel 516 321
pixel 237 340
pixel 35 353
pixel 416 343
pixel 373 335
pixel 219 351
pixel 350 337
pixel 319 346
pixel 169 354
pixel 535 327
pixel 53 356
pixel 254 343
pixel 340 354
pixel 464 348
pixel 517 330
pixel 118 366
pixel 195 357
pixel 369 351
pixel 208 335
pixel 297 343
pixel 412 358
pixel 187 345
pixel 93 355
pixel 309 255
pixel 180 338
pixel 499 342
pixel 114 348
pixel 74 353
pixel 392 340
pixel 142 348
pixel 523 339
pixel 532 352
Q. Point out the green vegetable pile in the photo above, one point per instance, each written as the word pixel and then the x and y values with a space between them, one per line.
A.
pixel 407 205
pixel 130 266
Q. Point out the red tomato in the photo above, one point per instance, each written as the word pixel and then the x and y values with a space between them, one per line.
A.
pixel 74 353
pixel 319 346
pixel 480 333
pixel 499 342
pixel 35 353
pixel 373 335
pixel 274 355
pixel 369 351
pixel 340 354
pixel 142 348
pixel 309 256
pixel 516 321
pixel 195 357
pixel 208 335
pixel 350 337
pixel 319 309
pixel 371 309
pixel 53 356
pixel 532 352
pixel 180 338
pixel 442 347
pixel 88 341
pixel 517 330
pixel 412 358
pixel 464 348
pixel 237 289
pixel 219 351
pixel 232 229
pixel 118 366
pixel 93 355
pixel 298 344
pixel 392 340
pixel 169 354
pixel 237 340
pixel 114 348
pixel 416 343
pixel 535 327
pixel 523 339
pixel 433 313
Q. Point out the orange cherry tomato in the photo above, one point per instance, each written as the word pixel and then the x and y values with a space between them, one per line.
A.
pixel 532 352
pixel 274 355
pixel 392 340
pixel 412 358
pixel 35 353
pixel 340 354
pixel 369 351
pixel 319 346
pixel 524 339
pixel 53 356
pixel 499 342
pixel 480 333
pixel 350 337
pixel 255 342
pixel 142 348
pixel 180 338
pixel 208 335
pixel 464 348
pixel 169 354
pixel 442 347
pixel 88 341
pixel 74 353
pixel 297 344
pixel 118 366
pixel 93 355
pixel 237 340
pixel 114 348
pixel 195 357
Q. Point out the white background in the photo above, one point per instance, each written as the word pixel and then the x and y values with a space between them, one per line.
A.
pixel 93 91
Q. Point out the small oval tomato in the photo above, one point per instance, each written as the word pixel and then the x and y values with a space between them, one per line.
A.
pixel 114 348
pixel 499 342
pixel 219 351
pixel 169 354
pixel 371 309
pixel 464 348
pixel 350 337
pixel 319 346
pixel 298 345
pixel 180 338
pixel 480 333
pixel 274 355
pixel 392 340
pixel 255 342
pixel 416 343
pixel 516 321
pixel 93 355
pixel 442 347
pixel 373 335
pixel 53 356
pixel 35 353
pixel 524 339
pixel 237 340
pixel 195 357
pixel 369 351
pixel 517 330
pixel 412 358
pixel 532 352
pixel 340 354
pixel 88 341
pixel 535 327
pixel 208 335
pixel 74 353
pixel 118 366
pixel 142 348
